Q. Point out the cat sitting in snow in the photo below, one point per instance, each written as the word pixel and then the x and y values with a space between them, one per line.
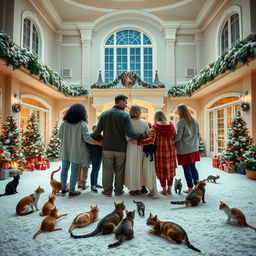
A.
pixel 11 187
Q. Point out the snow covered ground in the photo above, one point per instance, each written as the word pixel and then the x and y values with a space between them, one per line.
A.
pixel 204 224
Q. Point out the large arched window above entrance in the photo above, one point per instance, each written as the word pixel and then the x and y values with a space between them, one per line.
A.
pixel 128 50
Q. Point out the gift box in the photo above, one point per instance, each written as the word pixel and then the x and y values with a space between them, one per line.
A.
pixel 41 158
pixel 5 165
pixel 229 167
pixel 4 174
pixel 216 161
pixel 30 166
pixel 41 166
pixel 47 162
pixel 221 165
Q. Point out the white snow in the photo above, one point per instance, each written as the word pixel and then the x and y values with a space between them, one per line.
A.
pixel 204 224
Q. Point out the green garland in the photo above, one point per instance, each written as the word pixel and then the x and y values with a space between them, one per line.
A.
pixel 17 57
pixel 119 78
pixel 243 51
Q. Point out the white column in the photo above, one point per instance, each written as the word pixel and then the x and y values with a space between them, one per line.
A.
pixel 58 44
pixel 86 40
pixel 198 41
pixel 170 38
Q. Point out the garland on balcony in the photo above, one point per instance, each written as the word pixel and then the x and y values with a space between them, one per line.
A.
pixel 17 57
pixel 243 51
pixel 133 77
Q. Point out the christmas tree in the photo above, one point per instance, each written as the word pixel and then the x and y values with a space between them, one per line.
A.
pixel 238 141
pixel 53 150
pixel 201 146
pixel 32 143
pixel 10 140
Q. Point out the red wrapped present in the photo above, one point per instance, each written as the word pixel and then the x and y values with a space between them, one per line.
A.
pixel 41 158
pixel 229 167
pixel 47 162
pixel 216 161
pixel 30 160
pixel 5 165
pixel 221 165
pixel 30 166
pixel 41 165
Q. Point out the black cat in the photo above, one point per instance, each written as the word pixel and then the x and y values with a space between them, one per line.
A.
pixel 177 185
pixel 149 150
pixel 140 207
pixel 11 187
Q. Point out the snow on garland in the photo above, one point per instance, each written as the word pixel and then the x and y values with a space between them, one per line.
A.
pixel 243 51
pixel 128 79
pixel 17 57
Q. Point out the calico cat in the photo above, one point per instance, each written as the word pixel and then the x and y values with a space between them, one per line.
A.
pixel 177 186
pixel 195 196
pixel 56 185
pixel 169 230
pixel 140 207
pixel 26 204
pixel 108 223
pixel 235 216
pixel 11 187
pixel 85 218
pixel 124 230
pixel 149 150
pixel 48 223
pixel 48 206
pixel 212 178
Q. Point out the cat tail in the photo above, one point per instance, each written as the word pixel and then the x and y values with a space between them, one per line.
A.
pixel 37 233
pixel 249 226
pixel 119 242
pixel 72 226
pixel 95 232
pixel 134 201
pixel 24 213
pixel 189 245
pixel 3 194
pixel 54 172
pixel 178 202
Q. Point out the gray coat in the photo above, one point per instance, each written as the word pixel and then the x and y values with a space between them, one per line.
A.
pixel 73 138
pixel 187 138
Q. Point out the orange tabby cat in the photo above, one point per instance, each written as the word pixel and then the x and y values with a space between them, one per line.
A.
pixel 169 230
pixel 56 185
pixel 49 222
pixel 48 206
pixel 85 218
pixel 235 215
pixel 26 204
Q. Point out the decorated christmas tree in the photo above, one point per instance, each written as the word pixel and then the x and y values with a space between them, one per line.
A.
pixel 10 140
pixel 32 143
pixel 202 150
pixel 238 141
pixel 53 150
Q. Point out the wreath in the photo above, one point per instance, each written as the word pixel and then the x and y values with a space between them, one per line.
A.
pixel 16 108
pixel 128 80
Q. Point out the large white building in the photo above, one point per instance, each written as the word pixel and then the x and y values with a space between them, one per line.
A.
pixel 178 38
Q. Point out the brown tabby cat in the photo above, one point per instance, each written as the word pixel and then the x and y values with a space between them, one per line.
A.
pixel 26 205
pixel 195 196
pixel 169 230
pixel 85 218
pixel 56 185
pixel 124 230
pixel 49 222
pixel 235 216
pixel 212 178
pixel 108 223
pixel 48 206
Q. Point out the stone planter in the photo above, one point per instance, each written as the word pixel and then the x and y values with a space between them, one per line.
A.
pixel 250 174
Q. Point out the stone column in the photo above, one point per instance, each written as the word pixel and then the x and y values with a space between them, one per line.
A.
pixel 86 40
pixel 58 44
pixel 198 41
pixel 170 38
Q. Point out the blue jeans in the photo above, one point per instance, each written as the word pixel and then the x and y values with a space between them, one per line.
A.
pixel 96 162
pixel 64 175
pixel 191 174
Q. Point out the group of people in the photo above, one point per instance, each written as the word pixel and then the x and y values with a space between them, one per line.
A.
pixel 120 140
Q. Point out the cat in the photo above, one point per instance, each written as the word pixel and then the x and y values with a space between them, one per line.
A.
pixel 170 230
pixel 48 206
pixel 85 218
pixel 195 196
pixel 26 204
pixel 108 223
pixel 212 178
pixel 235 216
pixel 177 186
pixel 56 185
pixel 48 223
pixel 140 207
pixel 124 230
pixel 149 150
pixel 11 187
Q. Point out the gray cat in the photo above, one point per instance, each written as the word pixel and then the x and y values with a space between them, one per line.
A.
pixel 177 186
pixel 140 207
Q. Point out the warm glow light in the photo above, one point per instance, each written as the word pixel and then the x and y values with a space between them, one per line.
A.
pixel 14 164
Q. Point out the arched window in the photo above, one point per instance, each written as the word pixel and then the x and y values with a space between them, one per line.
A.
pixel 128 50
pixel 31 39
pixel 230 33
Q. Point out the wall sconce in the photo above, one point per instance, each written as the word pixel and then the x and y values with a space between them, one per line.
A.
pixel 245 106
pixel 16 107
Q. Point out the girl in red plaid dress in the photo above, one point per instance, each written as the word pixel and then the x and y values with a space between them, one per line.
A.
pixel 162 134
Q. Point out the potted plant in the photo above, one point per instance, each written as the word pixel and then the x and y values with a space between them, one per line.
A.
pixel 249 162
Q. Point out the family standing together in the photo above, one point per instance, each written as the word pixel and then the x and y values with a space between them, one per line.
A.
pixel 133 152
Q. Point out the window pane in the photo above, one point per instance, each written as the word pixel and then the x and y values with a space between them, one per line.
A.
pixel 135 60
pixel 148 65
pixel 109 64
pixel 224 38
pixel 234 23
pixel 146 40
pixel 26 33
pixel 35 41
pixel 128 37
pixel 110 41
pixel 121 64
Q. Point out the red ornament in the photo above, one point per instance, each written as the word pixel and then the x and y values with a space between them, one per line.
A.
pixel 13 148
pixel 1 151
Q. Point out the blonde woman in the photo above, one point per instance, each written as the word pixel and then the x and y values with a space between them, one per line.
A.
pixel 162 135
pixel 138 171
pixel 187 145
